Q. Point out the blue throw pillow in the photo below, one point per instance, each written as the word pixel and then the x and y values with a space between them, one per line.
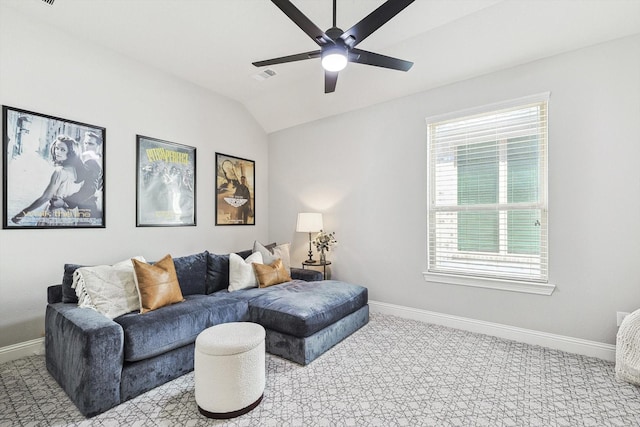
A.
pixel 192 273
pixel 217 272
pixel 68 293
pixel 245 254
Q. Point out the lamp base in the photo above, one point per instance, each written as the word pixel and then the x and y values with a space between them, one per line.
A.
pixel 310 260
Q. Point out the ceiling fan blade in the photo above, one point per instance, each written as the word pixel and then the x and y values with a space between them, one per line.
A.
pixel 330 80
pixel 369 58
pixel 373 21
pixel 288 58
pixel 303 22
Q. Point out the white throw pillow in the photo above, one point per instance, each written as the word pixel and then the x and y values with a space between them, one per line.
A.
pixel 282 252
pixel 278 252
pixel 108 289
pixel 241 274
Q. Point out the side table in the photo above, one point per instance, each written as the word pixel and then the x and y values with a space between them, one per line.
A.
pixel 318 264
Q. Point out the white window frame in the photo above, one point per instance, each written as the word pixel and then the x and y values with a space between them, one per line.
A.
pixel 541 285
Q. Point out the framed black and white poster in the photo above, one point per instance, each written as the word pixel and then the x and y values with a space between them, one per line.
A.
pixel 166 183
pixel 235 190
pixel 53 172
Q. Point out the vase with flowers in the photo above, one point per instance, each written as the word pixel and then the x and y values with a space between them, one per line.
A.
pixel 323 242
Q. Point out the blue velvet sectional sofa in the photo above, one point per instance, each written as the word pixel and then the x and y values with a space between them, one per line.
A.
pixel 101 363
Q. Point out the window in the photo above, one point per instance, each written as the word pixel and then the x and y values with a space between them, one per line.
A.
pixel 487 192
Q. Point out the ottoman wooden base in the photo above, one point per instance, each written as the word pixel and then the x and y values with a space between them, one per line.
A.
pixel 227 415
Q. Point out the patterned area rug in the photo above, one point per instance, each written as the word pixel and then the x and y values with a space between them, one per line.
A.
pixel 392 372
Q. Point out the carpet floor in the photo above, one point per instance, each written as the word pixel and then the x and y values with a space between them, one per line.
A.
pixel 392 372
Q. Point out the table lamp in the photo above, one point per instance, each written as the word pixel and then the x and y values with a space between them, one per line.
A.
pixel 309 222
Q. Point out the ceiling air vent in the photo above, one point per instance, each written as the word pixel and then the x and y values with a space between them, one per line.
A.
pixel 264 75
pixel 49 1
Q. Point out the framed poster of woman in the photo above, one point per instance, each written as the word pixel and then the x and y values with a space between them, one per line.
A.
pixel 53 172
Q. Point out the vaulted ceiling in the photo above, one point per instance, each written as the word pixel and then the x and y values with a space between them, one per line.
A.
pixel 212 43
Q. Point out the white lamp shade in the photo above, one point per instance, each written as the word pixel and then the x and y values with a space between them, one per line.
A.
pixel 309 222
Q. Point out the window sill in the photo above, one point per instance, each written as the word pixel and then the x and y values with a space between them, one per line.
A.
pixel 480 282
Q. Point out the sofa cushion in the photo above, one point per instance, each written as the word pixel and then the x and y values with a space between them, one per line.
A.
pixel 246 294
pixel 108 289
pixel 68 293
pixel 157 284
pixel 272 274
pixel 218 270
pixel 192 273
pixel 271 252
pixel 306 275
pixel 187 268
pixel 241 274
pixel 156 332
pixel 303 308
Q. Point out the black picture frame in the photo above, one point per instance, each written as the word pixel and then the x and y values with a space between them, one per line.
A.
pixel 165 183
pixel 53 170
pixel 235 190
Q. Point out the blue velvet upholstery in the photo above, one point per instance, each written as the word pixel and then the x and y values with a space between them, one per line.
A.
pixel 54 294
pixel 84 353
pixel 192 272
pixel 303 308
pixel 306 275
pixel 176 325
pixel 217 273
pixel 140 377
pixel 245 254
pixel 306 350
pixel 246 294
pixel 68 293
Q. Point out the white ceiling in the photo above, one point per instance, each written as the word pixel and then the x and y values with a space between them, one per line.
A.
pixel 212 43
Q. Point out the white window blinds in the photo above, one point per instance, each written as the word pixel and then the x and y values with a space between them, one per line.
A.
pixel 487 192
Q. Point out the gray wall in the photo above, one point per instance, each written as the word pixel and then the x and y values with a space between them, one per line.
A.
pixel 366 171
pixel 45 71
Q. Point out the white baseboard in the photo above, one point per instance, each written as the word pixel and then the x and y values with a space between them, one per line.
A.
pixel 528 336
pixel 23 349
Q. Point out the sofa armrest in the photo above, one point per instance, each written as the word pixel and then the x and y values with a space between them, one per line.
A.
pixel 306 275
pixel 54 294
pixel 84 353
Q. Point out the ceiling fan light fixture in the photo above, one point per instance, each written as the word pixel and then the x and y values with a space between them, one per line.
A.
pixel 338 47
pixel 334 58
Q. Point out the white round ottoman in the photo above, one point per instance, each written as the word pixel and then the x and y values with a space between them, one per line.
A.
pixel 229 365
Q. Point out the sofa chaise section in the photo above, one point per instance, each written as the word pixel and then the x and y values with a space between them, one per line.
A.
pixel 303 320
pixel 304 350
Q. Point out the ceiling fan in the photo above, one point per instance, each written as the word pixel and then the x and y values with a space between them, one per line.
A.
pixel 338 47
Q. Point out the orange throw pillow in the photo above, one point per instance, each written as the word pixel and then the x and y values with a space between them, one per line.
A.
pixel 272 274
pixel 157 284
